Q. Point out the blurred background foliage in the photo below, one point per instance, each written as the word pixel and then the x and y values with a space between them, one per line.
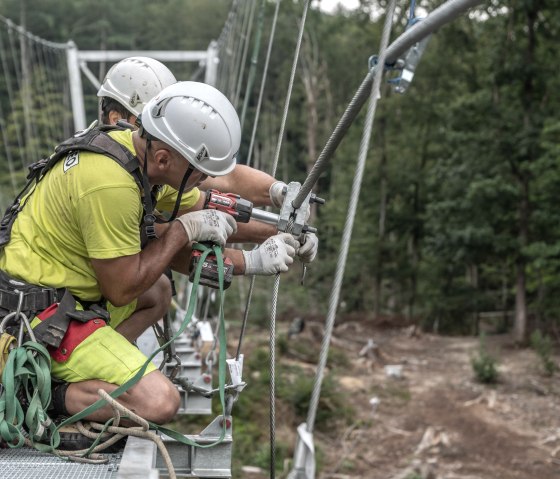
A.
pixel 457 219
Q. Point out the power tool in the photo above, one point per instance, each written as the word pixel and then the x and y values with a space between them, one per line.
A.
pixel 241 210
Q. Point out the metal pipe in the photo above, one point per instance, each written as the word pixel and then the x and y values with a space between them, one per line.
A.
pixel 78 110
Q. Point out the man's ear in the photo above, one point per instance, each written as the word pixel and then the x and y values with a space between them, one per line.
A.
pixel 163 159
pixel 113 117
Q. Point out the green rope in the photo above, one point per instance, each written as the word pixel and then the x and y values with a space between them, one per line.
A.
pixel 27 372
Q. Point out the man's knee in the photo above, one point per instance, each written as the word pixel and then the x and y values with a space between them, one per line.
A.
pixel 167 404
pixel 157 399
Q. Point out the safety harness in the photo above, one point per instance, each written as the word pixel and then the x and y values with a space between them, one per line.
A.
pixel 29 299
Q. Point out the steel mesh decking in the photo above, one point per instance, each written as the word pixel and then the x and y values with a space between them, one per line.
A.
pixel 28 463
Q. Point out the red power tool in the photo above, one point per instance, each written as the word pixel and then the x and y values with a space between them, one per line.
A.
pixel 241 210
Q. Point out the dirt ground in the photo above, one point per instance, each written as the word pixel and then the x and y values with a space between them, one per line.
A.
pixel 435 421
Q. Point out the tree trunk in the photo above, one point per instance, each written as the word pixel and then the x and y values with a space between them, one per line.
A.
pixel 520 327
pixel 378 277
pixel 528 93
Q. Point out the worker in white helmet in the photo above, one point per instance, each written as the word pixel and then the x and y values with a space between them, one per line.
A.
pixel 132 82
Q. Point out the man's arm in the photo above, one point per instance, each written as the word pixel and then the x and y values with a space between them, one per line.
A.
pixel 249 183
pixel 124 278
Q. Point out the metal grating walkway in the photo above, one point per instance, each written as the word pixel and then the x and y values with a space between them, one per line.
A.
pixel 26 463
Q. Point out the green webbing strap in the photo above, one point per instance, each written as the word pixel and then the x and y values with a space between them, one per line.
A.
pixel 222 339
pixel 188 316
pixel 27 372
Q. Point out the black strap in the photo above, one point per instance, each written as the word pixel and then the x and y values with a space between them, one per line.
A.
pixel 33 301
pixel 95 140
pixel 51 331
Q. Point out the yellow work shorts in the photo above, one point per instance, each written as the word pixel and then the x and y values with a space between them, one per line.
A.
pixel 104 355
pixel 119 313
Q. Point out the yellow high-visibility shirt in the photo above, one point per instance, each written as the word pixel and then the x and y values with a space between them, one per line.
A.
pixel 86 207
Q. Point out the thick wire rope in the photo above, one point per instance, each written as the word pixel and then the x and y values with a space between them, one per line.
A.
pixel 263 83
pixel 349 224
pixel 445 13
pixel 277 278
pixel 35 38
pixel 250 79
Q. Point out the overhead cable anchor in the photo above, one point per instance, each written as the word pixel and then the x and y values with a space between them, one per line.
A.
pixel 406 65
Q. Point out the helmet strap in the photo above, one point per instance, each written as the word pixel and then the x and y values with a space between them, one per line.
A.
pixel 149 217
pixel 186 177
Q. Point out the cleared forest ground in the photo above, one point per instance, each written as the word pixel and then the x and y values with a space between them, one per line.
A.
pixel 435 420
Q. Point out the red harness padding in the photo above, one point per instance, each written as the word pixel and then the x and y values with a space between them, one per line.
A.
pixel 76 333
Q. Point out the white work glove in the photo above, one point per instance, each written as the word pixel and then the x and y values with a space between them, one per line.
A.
pixel 276 193
pixel 308 249
pixel 275 255
pixel 208 225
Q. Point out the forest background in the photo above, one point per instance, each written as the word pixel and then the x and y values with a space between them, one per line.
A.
pixel 458 217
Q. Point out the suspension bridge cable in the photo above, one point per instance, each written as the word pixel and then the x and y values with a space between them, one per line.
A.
pixel 347 232
pixel 277 279
pixel 445 13
pixel 248 30
pixel 290 87
pixel 253 67
pixel 237 45
pixel 243 65
pixel 263 82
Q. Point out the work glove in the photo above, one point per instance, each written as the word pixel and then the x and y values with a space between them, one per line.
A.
pixel 208 225
pixel 275 255
pixel 276 193
pixel 308 247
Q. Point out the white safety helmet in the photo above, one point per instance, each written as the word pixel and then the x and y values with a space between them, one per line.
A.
pixel 199 122
pixel 134 81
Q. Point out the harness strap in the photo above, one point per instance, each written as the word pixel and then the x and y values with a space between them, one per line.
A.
pixel 52 331
pixel 95 140
pixel 32 300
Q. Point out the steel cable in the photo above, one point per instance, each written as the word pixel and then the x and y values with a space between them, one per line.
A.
pixel 263 82
pixel 347 232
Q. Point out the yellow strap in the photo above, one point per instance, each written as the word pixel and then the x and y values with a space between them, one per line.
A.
pixel 6 341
